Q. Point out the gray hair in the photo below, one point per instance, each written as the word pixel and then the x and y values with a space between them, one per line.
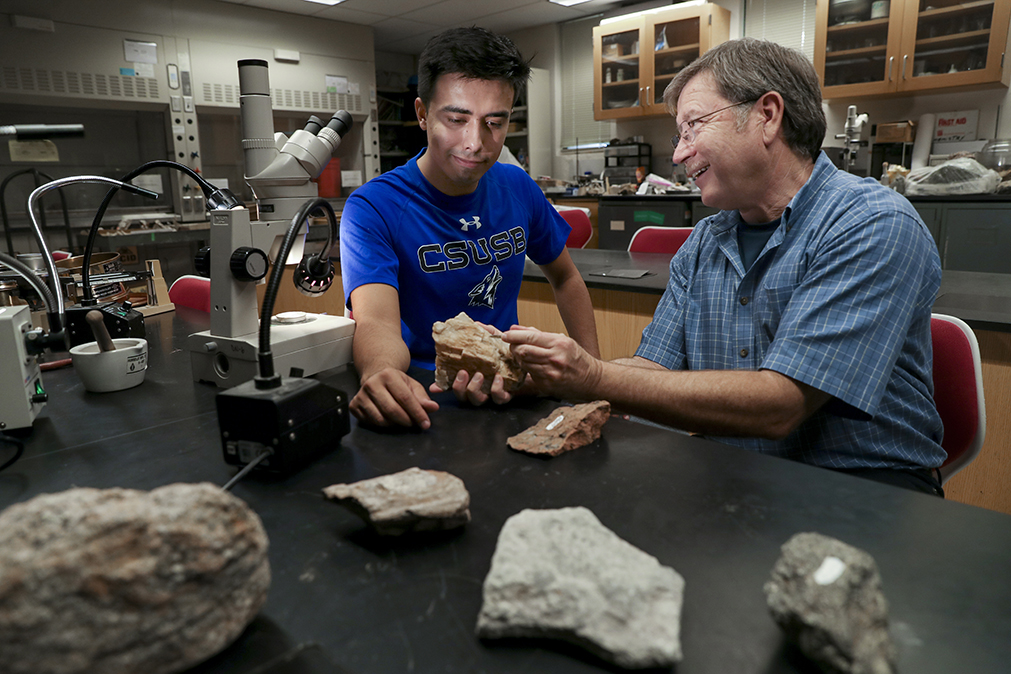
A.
pixel 746 69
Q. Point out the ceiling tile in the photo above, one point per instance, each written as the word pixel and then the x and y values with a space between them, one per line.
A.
pixel 405 26
pixel 464 12
pixel 350 15
pixel 392 8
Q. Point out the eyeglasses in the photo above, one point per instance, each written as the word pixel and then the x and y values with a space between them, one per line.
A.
pixel 687 130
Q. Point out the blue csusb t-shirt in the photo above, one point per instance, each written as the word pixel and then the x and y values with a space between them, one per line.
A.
pixel 839 298
pixel 447 254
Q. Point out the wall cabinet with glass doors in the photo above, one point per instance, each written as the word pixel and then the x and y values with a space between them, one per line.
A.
pixel 869 48
pixel 635 58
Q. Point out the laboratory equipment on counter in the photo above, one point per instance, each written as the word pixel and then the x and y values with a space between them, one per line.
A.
pixel 851 136
pixel 281 423
pixel 279 170
pixel 22 395
pixel 621 161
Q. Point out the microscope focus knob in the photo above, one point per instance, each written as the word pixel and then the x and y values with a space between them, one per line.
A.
pixel 248 264
pixel 202 261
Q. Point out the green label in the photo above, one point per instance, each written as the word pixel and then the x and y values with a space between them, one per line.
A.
pixel 649 216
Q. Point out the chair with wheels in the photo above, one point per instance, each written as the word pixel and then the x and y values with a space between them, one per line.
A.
pixel 958 392
pixel 191 291
pixel 582 229
pixel 658 239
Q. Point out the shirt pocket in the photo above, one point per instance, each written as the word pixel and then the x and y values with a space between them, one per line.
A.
pixel 775 291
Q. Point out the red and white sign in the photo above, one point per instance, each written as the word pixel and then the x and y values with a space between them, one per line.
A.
pixel 956 126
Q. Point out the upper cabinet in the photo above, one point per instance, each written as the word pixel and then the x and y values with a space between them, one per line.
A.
pixel 872 48
pixel 634 59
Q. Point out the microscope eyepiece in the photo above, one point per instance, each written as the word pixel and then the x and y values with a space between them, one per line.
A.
pixel 341 122
pixel 314 125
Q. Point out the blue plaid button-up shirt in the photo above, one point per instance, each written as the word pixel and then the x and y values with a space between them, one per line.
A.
pixel 838 299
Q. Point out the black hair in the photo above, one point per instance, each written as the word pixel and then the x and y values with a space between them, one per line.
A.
pixel 475 53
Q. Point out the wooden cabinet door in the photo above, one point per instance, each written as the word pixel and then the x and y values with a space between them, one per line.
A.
pixel 854 54
pixel 635 59
pixel 679 36
pixel 618 70
pixel 949 44
pixel 921 45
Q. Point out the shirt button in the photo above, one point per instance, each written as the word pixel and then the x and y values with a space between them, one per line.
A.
pixel 744 353
pixel 744 300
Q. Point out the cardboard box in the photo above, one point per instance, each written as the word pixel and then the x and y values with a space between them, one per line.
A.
pixel 614 49
pixel 897 132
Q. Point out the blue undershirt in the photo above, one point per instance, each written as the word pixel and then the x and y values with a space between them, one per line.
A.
pixel 751 239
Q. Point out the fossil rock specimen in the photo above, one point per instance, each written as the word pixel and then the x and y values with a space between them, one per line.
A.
pixel 462 344
pixel 411 500
pixel 119 580
pixel 562 574
pixel 565 428
pixel 826 596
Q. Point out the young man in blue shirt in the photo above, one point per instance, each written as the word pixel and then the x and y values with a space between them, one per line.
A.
pixel 449 232
pixel 796 321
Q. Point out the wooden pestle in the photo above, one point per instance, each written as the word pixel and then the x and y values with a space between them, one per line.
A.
pixel 97 322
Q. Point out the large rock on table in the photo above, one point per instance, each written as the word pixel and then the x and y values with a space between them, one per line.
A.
pixel 564 429
pixel 462 344
pixel 119 580
pixel 826 596
pixel 562 574
pixel 411 500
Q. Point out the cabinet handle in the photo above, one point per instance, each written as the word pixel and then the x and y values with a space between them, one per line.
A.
pixel 891 60
pixel 904 58
pixel 649 101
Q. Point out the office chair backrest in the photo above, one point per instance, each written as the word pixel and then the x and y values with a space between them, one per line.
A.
pixel 582 228
pixel 658 239
pixel 191 291
pixel 958 391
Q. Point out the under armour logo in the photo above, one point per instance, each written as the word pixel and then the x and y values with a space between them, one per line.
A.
pixel 467 224
pixel 483 294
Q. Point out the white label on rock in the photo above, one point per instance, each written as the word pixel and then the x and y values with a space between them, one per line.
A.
pixel 554 424
pixel 829 571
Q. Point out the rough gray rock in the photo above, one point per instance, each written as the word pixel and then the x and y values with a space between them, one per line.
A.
pixel 562 574
pixel 411 500
pixel 826 596
pixel 566 428
pixel 118 580
pixel 462 344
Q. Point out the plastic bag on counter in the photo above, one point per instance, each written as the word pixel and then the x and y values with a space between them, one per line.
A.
pixel 955 176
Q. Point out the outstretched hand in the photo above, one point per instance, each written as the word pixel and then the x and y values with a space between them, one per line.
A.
pixel 391 397
pixel 557 365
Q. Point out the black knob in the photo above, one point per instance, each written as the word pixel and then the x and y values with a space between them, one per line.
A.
pixel 202 261
pixel 38 398
pixel 248 264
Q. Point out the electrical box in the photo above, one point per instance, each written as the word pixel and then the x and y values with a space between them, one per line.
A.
pixel 21 394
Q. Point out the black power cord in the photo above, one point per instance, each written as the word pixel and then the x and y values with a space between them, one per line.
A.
pixel 216 197
pixel 20 449
pixel 267 378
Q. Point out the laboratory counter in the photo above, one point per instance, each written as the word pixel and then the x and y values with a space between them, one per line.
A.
pixel 345 600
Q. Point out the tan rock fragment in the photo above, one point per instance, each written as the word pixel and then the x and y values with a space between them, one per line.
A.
pixel 120 580
pixel 462 344
pixel 411 500
pixel 564 429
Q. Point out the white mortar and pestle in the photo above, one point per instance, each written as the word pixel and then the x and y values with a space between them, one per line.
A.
pixel 109 364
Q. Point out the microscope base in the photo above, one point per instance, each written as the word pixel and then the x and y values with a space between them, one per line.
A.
pixel 321 343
